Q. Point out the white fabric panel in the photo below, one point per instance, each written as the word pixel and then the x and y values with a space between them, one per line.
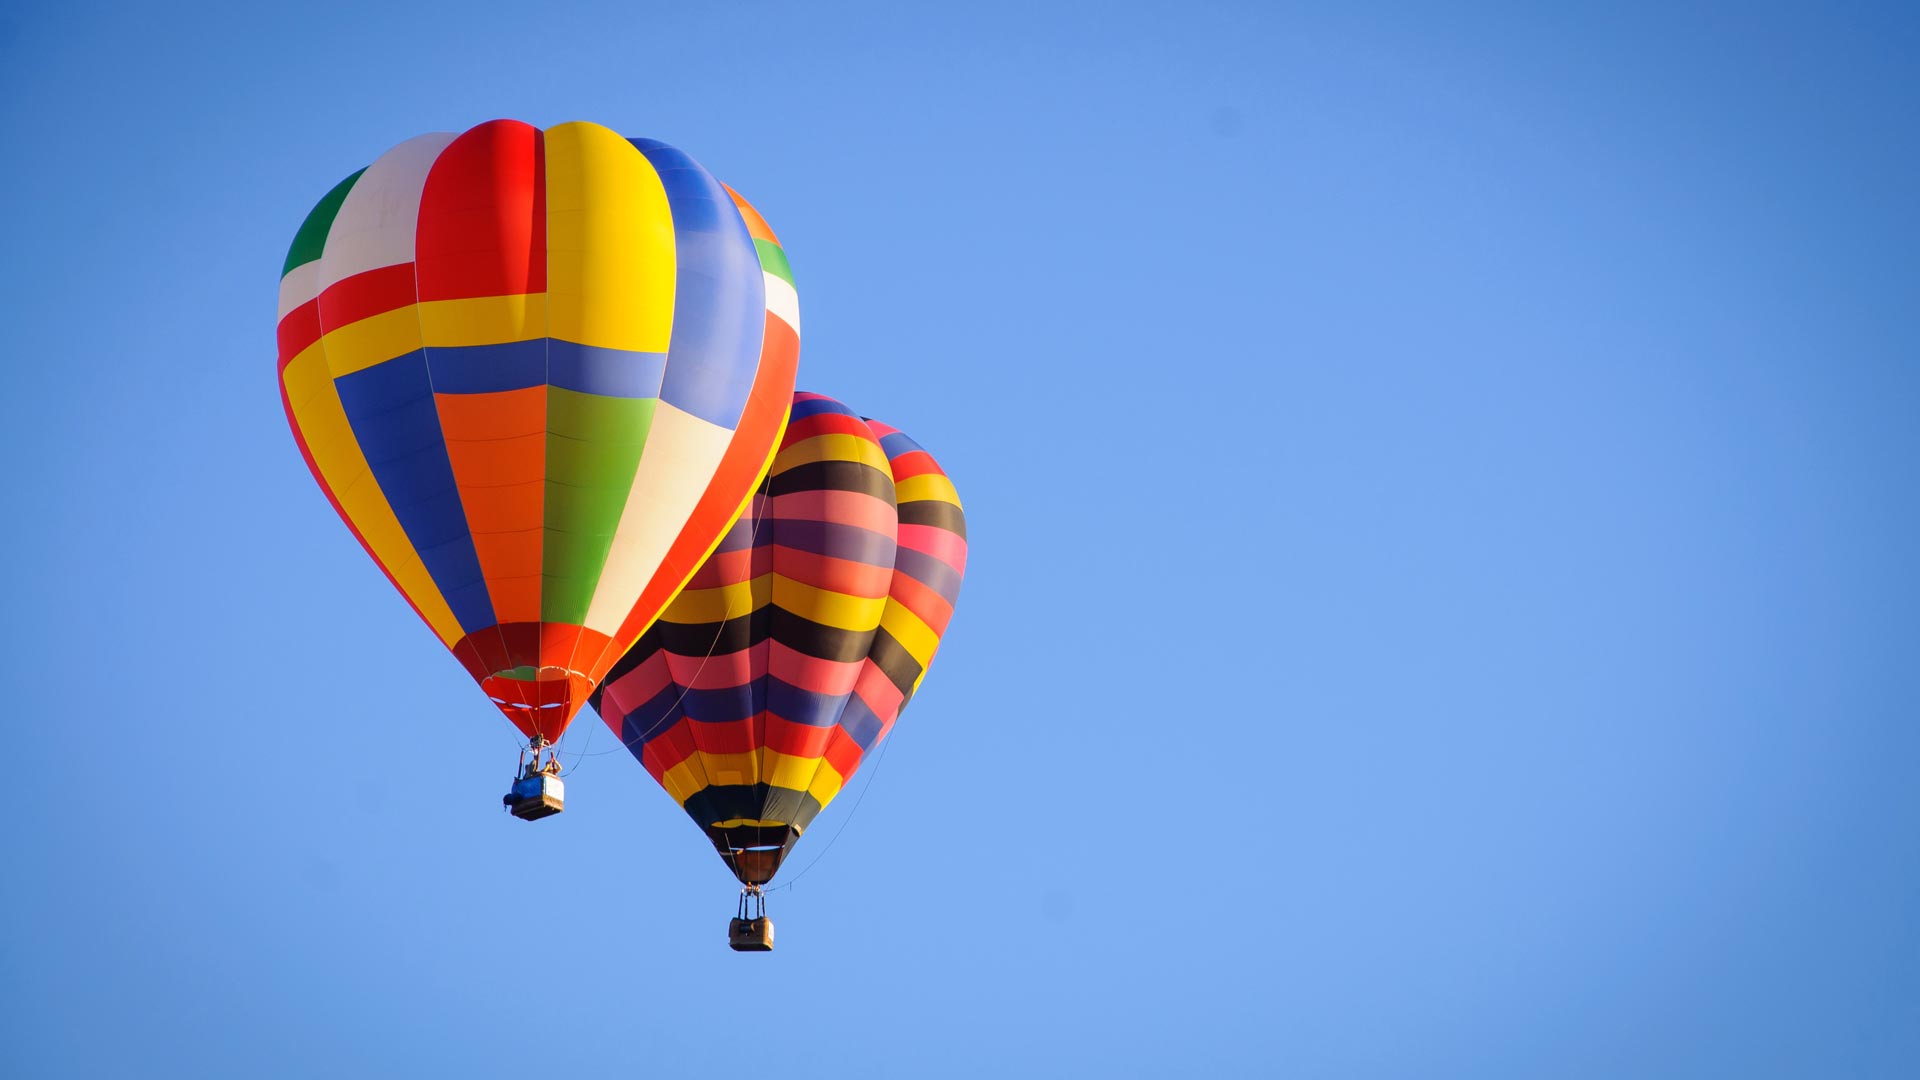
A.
pixel 301 284
pixel 782 301
pixel 380 217
pixel 679 459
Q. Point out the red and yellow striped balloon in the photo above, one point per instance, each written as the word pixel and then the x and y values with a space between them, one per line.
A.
pixel 796 645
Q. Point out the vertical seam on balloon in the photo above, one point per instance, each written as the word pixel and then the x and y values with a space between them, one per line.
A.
pixel 840 715
pixel 760 652
pixel 638 462
pixel 760 357
pixel 546 435
pixel 698 756
pixel 886 726
pixel 759 522
pixel 427 361
pixel 757 669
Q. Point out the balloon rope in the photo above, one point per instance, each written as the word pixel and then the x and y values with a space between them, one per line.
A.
pixel 844 822
pixel 582 755
pixel 753 539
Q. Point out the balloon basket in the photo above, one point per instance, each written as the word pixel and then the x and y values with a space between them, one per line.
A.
pixel 750 930
pixel 536 797
pixel 538 791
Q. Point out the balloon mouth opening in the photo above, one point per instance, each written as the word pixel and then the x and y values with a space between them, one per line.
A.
pixel 527 689
pixel 526 673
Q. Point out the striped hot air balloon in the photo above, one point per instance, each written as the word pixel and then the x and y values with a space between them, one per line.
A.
pixel 538 374
pixel 794 648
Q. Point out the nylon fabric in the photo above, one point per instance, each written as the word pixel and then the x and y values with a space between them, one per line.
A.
pixel 796 644
pixel 477 334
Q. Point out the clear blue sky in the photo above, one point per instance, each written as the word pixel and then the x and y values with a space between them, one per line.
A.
pixel 1442 599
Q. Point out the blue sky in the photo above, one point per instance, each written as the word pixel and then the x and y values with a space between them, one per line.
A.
pixel 1442 596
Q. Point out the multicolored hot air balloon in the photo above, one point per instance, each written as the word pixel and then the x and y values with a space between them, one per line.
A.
pixel 538 374
pixel 792 651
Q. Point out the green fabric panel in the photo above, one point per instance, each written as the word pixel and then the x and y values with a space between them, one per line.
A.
pixel 312 237
pixel 773 260
pixel 593 450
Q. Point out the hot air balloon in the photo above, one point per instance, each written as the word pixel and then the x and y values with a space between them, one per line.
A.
pixel 538 374
pixel 795 646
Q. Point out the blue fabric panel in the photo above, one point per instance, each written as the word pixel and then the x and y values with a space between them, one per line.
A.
pixel 896 444
pixel 928 571
pixel 745 533
pixel 390 408
pixel 860 723
pixel 590 369
pixel 726 703
pixel 816 406
pixel 720 297
pixel 650 719
pixel 849 542
pixel 488 369
pixel 789 702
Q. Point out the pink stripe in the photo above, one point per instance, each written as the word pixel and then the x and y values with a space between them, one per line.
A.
pixel 723 568
pixel 948 547
pixel 811 673
pixel 712 672
pixel 878 692
pixel 839 507
pixel 836 575
pixel 915 596
pixel 630 691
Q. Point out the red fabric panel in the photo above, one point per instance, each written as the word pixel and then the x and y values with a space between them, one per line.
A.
pixel 366 294
pixel 826 423
pixel 483 215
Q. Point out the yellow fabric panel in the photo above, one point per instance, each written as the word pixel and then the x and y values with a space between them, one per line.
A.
pixel 926 486
pixel 695 606
pixel 911 632
pixel 827 783
pixel 835 446
pixel 701 769
pixel 360 345
pixel 323 424
pixel 683 780
pixel 742 823
pixel 482 320
pixel 610 249
pixel 741 768
pixel 858 613
pixel 787 770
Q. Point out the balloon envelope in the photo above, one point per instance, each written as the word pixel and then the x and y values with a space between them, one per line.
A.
pixel 537 373
pixel 795 646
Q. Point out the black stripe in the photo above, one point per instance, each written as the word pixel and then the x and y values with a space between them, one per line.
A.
pixel 815 639
pixel 894 661
pixel 719 638
pixel 629 660
pixel 834 476
pixel 746 836
pixel 942 515
pixel 754 802
pixel 713 638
